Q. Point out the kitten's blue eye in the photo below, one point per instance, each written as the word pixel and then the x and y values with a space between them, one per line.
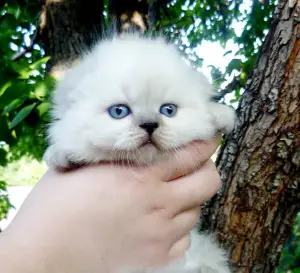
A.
pixel 119 111
pixel 168 110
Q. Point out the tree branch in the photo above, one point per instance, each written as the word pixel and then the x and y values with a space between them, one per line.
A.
pixel 228 89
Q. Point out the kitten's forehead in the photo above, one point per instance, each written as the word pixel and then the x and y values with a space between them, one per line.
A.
pixel 143 72
pixel 149 92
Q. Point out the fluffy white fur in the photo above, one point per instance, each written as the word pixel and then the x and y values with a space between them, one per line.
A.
pixel 143 74
pixel 203 256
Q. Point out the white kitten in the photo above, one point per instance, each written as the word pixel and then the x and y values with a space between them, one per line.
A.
pixel 135 99
pixel 146 82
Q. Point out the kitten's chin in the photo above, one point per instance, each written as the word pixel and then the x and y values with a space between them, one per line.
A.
pixel 144 155
pixel 147 154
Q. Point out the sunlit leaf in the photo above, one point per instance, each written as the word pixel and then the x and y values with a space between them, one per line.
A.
pixel 41 90
pixel 38 63
pixel 5 87
pixel 43 108
pixel 3 186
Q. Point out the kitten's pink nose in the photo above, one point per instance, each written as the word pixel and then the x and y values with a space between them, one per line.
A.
pixel 149 127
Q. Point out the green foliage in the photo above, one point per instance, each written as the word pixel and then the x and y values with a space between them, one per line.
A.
pixel 23 88
pixel 23 172
pixel 290 260
pixel 5 205
pixel 192 22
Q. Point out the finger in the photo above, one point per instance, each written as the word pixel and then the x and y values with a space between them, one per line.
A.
pixel 185 160
pixel 185 221
pixel 194 189
pixel 180 247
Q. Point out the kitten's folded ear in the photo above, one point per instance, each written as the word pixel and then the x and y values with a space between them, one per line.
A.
pixel 223 117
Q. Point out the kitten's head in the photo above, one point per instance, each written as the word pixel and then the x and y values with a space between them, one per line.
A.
pixel 134 99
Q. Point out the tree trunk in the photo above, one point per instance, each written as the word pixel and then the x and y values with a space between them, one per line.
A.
pixel 260 160
pixel 130 15
pixel 68 27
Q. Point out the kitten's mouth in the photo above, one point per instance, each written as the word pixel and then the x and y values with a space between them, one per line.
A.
pixel 148 143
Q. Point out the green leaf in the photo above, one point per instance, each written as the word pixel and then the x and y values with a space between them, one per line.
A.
pixel 22 69
pixel 16 90
pixel 17 12
pixel 14 104
pixel 234 100
pixel 235 64
pixel 18 67
pixel 237 93
pixel 37 64
pixel 227 53
pixel 3 186
pixel 14 9
pixel 22 115
pixel 5 87
pixel 3 159
pixel 40 90
pixel 43 108
pixel 217 82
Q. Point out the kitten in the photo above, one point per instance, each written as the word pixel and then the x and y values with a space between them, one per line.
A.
pixel 135 99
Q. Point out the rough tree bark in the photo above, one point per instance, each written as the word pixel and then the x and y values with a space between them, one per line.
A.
pixel 130 15
pixel 260 160
pixel 68 27
pixel 136 15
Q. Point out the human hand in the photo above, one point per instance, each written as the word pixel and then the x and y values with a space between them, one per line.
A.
pixel 102 218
